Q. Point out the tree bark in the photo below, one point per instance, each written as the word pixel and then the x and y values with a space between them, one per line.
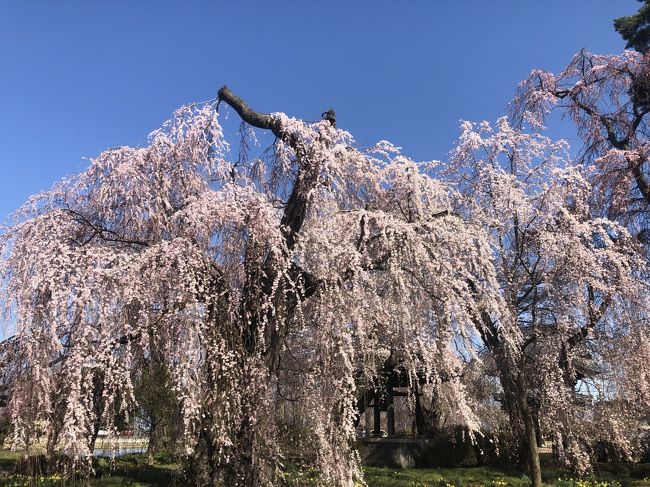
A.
pixel 153 441
pixel 98 406
pixel 640 179
pixel 531 439
pixel 251 117
pixel 264 282
pixel 293 217
pixel 508 378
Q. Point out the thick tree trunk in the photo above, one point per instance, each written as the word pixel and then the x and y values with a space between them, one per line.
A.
pixel 531 444
pixel 526 412
pixel 522 421
pixel 98 407
pixel 533 453
pixel 510 400
pixel 241 473
pixel 520 452
pixel 511 379
pixel 203 467
pixel 153 441
pixel 263 331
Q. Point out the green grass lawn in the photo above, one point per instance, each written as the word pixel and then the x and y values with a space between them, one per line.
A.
pixel 487 477
pixel 133 471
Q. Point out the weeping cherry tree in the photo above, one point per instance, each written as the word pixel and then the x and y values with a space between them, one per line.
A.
pixel 304 266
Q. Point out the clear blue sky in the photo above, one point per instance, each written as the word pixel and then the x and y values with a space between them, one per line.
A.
pixel 77 77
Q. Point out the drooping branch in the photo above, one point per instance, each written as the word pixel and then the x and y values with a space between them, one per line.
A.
pixel 259 120
pixel 308 171
pixel 100 231
pixel 265 282
pixel 640 179
pixel 617 143
pixel 595 315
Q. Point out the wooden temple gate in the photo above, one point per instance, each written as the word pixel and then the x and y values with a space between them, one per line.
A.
pixel 382 399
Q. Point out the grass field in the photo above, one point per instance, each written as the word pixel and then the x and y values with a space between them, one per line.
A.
pixel 133 471
pixel 487 477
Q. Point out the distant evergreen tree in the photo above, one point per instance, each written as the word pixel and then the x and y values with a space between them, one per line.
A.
pixel 635 29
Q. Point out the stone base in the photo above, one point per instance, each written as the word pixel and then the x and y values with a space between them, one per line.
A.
pixel 391 452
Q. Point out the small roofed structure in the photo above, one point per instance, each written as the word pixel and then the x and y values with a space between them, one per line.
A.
pixel 386 403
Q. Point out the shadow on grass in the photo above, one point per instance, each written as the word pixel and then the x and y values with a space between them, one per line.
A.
pixel 131 470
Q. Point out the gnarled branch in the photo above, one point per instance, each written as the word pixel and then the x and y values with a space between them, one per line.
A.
pixel 259 120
